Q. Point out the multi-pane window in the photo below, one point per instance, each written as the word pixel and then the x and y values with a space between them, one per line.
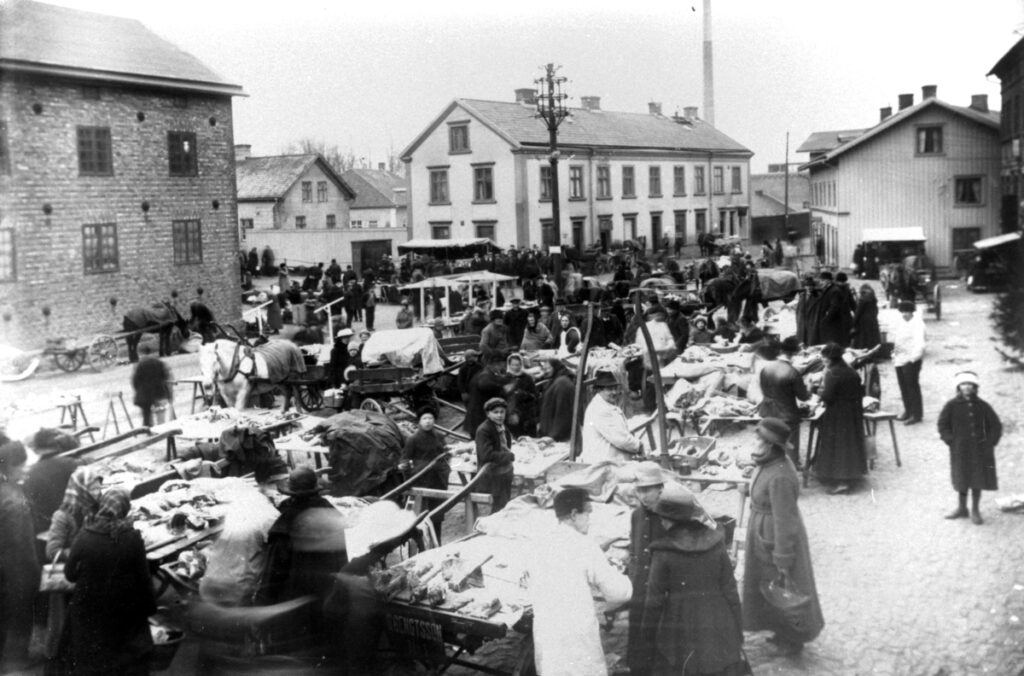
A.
pixel 485 230
pixel 7 259
pixel 372 224
pixel 187 236
pixel 737 179
pixel 356 224
pixel 439 186
pixel 698 181
pixel 968 190
pixel 300 222
pixel 321 191
pixel 628 182
pixel 576 182
pixel 929 140
pixel 99 247
pixel 5 153
pixel 545 182
pixel 332 222
pixel 678 180
pixel 654 181
pixel 246 223
pixel 458 138
pixel 548 236
pixel 483 184
pixel 181 153
pixel 604 181
pixel 441 230
pixel 307 191
pixel 95 157
pixel 718 176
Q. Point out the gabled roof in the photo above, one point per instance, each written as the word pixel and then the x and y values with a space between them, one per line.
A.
pixel 824 141
pixel 1006 62
pixel 262 179
pixel 988 119
pixel 519 126
pixel 46 39
pixel 376 189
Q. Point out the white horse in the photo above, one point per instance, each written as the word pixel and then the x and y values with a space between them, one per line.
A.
pixel 239 371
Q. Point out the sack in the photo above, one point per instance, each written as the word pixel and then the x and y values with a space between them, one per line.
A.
pixel 53 580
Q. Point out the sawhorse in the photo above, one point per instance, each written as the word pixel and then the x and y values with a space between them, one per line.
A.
pixel 71 409
pixel 112 399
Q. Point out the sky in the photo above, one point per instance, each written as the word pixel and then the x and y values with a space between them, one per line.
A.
pixel 370 77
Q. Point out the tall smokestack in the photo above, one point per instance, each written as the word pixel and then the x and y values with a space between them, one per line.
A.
pixel 709 68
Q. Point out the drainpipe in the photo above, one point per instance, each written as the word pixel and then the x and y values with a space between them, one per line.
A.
pixel 593 196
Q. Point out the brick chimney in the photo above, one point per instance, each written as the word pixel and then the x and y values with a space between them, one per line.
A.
pixel 906 100
pixel 884 113
pixel 928 92
pixel 654 108
pixel 526 96
pixel 690 112
pixel 979 102
pixel 242 152
pixel 591 102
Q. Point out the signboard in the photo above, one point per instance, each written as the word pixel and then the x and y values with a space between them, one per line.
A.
pixel 418 638
pixel 555 249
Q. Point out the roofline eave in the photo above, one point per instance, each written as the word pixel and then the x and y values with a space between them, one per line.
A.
pixel 54 70
pixel 532 146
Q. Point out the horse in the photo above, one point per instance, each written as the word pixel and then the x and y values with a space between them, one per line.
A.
pixel 903 280
pixel 239 371
pixel 161 319
pixel 753 289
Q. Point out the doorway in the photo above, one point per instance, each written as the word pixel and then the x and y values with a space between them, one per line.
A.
pixel 368 254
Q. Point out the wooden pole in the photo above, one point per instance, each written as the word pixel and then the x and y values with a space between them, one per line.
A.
pixel 576 440
pixel 659 390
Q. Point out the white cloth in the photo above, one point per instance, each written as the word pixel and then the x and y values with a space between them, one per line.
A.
pixel 563 350
pixel 569 568
pixel 908 340
pixel 606 435
pixel 400 347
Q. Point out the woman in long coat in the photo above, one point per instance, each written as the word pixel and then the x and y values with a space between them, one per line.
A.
pixel 19 569
pixel 777 548
pixel 971 429
pixel 692 613
pixel 866 333
pixel 522 398
pixel 841 457
pixel 556 403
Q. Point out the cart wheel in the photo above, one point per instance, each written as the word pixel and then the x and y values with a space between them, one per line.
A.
pixel 938 301
pixel 71 360
pixel 311 398
pixel 372 405
pixel 102 352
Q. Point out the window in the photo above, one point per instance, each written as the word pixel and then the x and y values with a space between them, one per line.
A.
pixel 307 191
pixel 483 184
pixel 371 224
pixel 737 180
pixel 300 222
pixel 246 223
pixel 441 230
pixel 718 178
pixel 576 183
pixel 188 241
pixel 545 182
pixel 629 226
pixel 680 218
pixel 628 182
pixel 701 221
pixel 548 236
pixel 604 182
pixel 654 181
pixel 99 247
pixel 332 222
pixel 458 138
pixel 485 229
pixel 356 224
pixel 968 191
pixel 678 180
pixel 94 154
pixel 321 191
pixel 7 259
pixel 698 181
pixel 929 140
pixel 181 151
pixel 439 186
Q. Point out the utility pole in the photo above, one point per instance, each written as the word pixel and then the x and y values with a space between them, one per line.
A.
pixel 785 217
pixel 551 109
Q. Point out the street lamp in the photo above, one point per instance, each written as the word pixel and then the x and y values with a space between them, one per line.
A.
pixel 551 109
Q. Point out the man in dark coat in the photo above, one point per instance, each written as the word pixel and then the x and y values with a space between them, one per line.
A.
pixel 678 325
pixel 808 313
pixel 645 528
pixel 494 446
pixel 487 384
pixel 201 321
pixel 515 320
pixel 470 367
pixel 836 312
pixel 47 479
pixel 556 403
pixel 782 388
pixel 494 340
pixel 971 429
pixel 334 271
pixel 151 382
pixel 340 358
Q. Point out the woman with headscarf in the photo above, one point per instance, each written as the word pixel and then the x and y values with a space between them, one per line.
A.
pixel 777 549
pixel 81 502
pixel 556 403
pixel 535 336
pixel 840 457
pixel 521 394
pixel 866 334
pixel 107 630
pixel 568 338
pixel 19 569
pixel 422 448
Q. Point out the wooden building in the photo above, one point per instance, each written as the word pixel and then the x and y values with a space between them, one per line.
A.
pixel 1010 71
pixel 117 181
pixel 931 165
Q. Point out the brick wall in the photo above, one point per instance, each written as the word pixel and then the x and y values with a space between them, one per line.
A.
pixel 42 116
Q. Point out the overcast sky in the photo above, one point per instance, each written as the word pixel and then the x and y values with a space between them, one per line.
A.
pixel 369 77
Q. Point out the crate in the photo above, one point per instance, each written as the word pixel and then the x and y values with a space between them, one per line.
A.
pixel 703 445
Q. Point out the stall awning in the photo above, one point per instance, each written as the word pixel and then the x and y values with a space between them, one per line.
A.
pixel 998 240
pixel 449 248
pixel 907 234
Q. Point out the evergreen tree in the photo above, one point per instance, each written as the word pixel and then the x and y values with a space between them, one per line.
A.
pixel 1008 310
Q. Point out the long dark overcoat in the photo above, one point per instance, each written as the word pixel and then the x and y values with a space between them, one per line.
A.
pixel 645 528
pixel 840 452
pixel 971 429
pixel 866 333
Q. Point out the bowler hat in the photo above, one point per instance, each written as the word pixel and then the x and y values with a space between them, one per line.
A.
pixel 301 481
pixel 495 402
pixel 775 431
pixel 649 474
pixel 675 503
pixel 605 379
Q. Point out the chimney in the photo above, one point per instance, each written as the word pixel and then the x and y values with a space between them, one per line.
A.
pixel 979 102
pixel 526 96
pixel 381 166
pixel 654 108
pixel 242 152
pixel 884 113
pixel 690 112
pixel 928 92
pixel 591 102
pixel 906 100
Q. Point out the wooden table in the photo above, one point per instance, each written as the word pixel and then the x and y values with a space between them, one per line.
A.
pixel 198 393
pixel 871 420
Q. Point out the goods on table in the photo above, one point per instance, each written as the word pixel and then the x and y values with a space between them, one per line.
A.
pixel 718 406
pixel 176 507
pixel 435 582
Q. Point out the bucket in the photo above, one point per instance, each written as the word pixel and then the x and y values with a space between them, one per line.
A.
pixel 160 412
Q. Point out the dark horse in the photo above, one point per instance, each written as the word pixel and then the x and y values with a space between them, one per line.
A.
pixel 746 293
pixel 161 319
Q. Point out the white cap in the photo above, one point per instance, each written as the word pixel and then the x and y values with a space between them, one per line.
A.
pixel 343 333
pixel 967 377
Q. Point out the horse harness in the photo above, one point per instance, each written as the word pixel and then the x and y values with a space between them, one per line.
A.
pixel 236 363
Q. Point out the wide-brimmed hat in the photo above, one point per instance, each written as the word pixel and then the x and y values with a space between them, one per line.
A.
pixel 775 431
pixel 676 503
pixel 605 379
pixel 649 474
pixel 301 481
pixel 495 402
pixel 966 377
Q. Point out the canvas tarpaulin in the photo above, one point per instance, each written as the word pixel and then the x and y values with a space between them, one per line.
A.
pixel 365 447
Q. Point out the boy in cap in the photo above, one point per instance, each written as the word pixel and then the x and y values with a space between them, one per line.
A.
pixel 971 429
pixel 494 446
